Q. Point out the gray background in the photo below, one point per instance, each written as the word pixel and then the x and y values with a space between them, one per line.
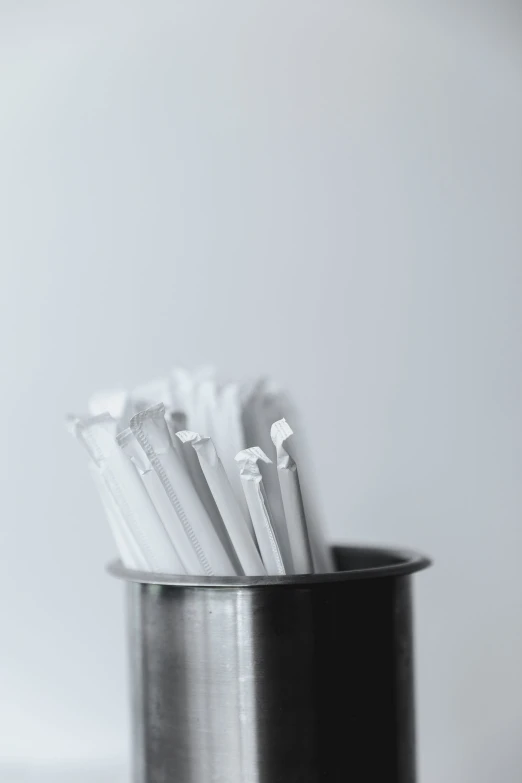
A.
pixel 327 191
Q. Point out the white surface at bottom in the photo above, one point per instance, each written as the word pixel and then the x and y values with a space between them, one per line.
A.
pixel 81 772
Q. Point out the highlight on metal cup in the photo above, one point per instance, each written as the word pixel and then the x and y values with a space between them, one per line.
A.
pixel 275 679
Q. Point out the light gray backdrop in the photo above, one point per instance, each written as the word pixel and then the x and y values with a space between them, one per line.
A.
pixel 327 191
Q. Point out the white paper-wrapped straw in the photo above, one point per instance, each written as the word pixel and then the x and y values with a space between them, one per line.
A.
pixel 292 500
pixel 123 482
pixel 152 433
pixel 189 561
pixel 262 520
pixel 262 407
pixel 185 392
pixel 321 552
pixel 229 437
pixel 185 439
pixel 236 523
pixel 206 407
pixel 129 552
pixel 176 420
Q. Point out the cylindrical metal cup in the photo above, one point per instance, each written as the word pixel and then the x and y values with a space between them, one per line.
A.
pixel 295 679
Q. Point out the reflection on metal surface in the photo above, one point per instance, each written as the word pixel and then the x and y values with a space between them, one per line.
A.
pixel 309 682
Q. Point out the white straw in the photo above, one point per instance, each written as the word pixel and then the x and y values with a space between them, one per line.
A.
pixel 130 496
pixel 189 561
pixel 151 431
pixel 130 554
pixel 231 513
pixel 292 500
pixel 321 552
pixel 229 439
pixel 263 407
pixel 259 510
pixel 185 439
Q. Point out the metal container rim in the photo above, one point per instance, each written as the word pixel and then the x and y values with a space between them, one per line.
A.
pixel 383 561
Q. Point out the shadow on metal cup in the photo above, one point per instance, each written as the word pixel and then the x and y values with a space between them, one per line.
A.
pixel 292 679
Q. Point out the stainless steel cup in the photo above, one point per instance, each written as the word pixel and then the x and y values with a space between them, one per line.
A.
pixel 296 679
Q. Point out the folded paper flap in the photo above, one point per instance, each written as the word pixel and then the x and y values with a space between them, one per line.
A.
pixel 187 436
pixel 280 432
pixel 151 429
pixel 206 450
pixel 247 460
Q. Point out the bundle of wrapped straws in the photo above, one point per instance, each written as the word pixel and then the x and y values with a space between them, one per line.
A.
pixel 183 470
